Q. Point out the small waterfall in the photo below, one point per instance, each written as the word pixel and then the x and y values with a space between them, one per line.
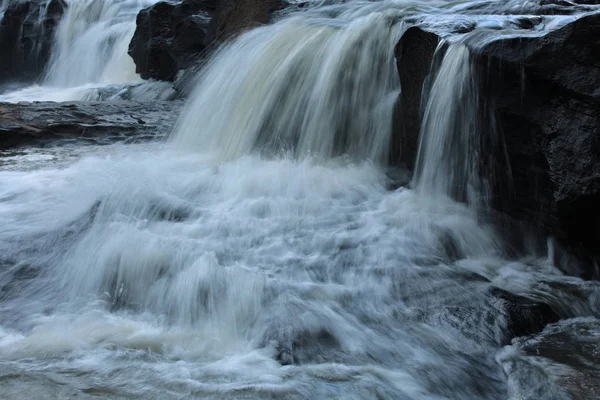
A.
pixel 3 5
pixel 447 162
pixel 91 43
pixel 309 85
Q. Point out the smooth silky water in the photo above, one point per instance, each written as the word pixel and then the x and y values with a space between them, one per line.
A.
pixel 89 56
pixel 259 253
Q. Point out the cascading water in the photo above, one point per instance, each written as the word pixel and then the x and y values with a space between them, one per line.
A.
pixel 448 158
pixel 90 53
pixel 91 43
pixel 310 86
pixel 260 255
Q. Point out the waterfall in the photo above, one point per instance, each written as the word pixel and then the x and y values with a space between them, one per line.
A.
pixel 308 85
pixel 448 157
pixel 91 43
pixel 261 252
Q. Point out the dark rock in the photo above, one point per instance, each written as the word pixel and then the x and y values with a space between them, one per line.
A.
pixel 541 141
pixel 26 36
pixel 544 94
pixel 174 36
pixel 236 16
pixel 28 123
pixel 414 54
pixel 496 319
pixel 170 37
pixel 570 346
pixel 524 316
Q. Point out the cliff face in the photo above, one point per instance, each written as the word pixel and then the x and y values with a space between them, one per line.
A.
pixel 540 102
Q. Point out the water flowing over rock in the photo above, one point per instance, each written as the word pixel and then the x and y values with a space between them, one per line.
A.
pixel 545 96
pixel 26 37
pixel 543 117
pixel 272 247
pixel 173 36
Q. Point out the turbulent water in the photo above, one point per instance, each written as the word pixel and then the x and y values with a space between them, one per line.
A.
pixel 261 253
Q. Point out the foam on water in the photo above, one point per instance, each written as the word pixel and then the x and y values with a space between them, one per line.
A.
pixel 260 254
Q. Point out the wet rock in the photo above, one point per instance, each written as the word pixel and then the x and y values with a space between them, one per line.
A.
pixel 173 36
pixel 560 362
pixel 541 142
pixel 26 35
pixel 524 316
pixel 547 116
pixel 496 319
pixel 235 16
pixel 29 123
pixel 414 55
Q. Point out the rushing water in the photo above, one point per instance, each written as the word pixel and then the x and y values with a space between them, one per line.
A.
pixel 260 253
pixel 90 54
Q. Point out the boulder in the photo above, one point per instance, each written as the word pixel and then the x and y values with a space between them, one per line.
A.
pixel 31 123
pixel 540 98
pixel 173 36
pixel 26 36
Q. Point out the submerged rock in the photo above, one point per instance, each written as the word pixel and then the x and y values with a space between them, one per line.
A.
pixel 27 123
pixel 26 36
pixel 173 36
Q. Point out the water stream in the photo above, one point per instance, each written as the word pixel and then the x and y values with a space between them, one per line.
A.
pixel 259 253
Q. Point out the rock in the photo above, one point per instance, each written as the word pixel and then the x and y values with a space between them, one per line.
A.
pixel 235 16
pixel 30 123
pixel 562 362
pixel 499 318
pixel 546 113
pixel 543 128
pixel 414 55
pixel 173 36
pixel 524 316
pixel 26 36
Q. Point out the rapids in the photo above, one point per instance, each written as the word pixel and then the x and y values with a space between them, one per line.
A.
pixel 263 251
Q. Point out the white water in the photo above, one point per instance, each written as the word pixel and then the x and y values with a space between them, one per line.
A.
pixel 271 268
pixel 449 150
pixel 90 53
pixel 311 86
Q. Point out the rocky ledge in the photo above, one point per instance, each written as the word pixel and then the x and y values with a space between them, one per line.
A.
pixel 173 36
pixel 29 123
pixel 540 101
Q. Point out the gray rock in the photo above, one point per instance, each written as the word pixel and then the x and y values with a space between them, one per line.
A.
pixel 30 123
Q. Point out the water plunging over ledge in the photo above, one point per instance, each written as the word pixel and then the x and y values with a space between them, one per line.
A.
pixel 259 252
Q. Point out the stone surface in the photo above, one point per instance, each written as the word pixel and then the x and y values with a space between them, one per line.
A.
pixel 26 35
pixel 170 37
pixel 544 94
pixel 235 16
pixel 174 36
pixel 414 53
pixel 30 123
pixel 541 102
